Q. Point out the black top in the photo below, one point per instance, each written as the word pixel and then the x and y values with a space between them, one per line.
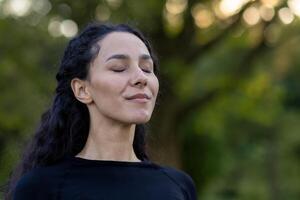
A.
pixel 77 178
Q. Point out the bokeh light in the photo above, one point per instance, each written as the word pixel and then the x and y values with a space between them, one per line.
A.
pixel 176 6
pixel 68 28
pixel 54 28
pixel 228 8
pixel 23 8
pixel 17 8
pixel 203 17
pixel 42 7
pixel 266 13
pixel 286 15
pixel 251 16
pixel 294 5
pixel 270 3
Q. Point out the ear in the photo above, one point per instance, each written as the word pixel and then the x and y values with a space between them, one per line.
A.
pixel 80 90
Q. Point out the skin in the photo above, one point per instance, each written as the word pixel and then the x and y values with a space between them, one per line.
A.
pixel 105 92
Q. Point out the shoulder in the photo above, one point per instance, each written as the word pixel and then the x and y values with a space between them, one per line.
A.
pixel 28 184
pixel 36 182
pixel 182 179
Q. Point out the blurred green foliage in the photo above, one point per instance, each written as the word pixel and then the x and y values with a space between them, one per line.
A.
pixel 230 108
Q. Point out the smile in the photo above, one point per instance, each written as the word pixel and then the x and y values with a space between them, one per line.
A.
pixel 139 96
pixel 139 100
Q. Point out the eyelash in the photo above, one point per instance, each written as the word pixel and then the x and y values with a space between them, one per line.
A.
pixel 118 70
pixel 121 70
pixel 147 71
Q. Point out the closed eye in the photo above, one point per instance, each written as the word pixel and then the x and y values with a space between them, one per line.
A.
pixel 118 70
pixel 147 71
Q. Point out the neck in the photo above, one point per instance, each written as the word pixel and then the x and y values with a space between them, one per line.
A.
pixel 109 140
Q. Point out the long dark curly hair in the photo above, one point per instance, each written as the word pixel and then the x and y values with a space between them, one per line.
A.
pixel 64 127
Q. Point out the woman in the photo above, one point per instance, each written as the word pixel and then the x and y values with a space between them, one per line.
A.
pixel 91 143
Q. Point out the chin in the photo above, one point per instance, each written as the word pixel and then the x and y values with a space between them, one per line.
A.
pixel 140 119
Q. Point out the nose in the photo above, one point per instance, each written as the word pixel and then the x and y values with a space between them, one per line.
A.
pixel 139 78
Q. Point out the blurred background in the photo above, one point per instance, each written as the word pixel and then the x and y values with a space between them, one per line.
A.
pixel 229 114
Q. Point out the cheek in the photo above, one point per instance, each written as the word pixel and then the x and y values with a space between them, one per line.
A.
pixel 154 86
pixel 107 88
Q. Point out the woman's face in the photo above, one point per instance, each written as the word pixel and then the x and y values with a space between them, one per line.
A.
pixel 122 69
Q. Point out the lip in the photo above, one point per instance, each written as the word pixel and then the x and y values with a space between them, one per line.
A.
pixel 139 98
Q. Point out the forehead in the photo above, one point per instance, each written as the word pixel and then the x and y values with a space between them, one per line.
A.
pixel 121 43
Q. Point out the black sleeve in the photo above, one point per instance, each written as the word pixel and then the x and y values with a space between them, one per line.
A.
pixel 190 187
pixel 184 181
pixel 28 187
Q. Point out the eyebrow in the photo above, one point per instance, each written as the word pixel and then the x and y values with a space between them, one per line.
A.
pixel 126 57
